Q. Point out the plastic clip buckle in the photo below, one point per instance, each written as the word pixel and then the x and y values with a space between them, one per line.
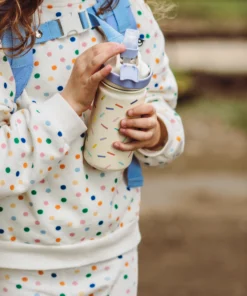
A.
pixel 71 24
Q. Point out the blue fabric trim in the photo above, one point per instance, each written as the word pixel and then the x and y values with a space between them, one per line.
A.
pixel 121 14
pixel 134 174
pixel 111 34
pixel 84 20
pixel 106 14
pixel 7 41
pixel 120 18
pixel 21 66
pixel 131 18
pixel 50 30
pixel 22 76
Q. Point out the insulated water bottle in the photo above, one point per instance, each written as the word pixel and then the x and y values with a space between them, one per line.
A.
pixel 123 89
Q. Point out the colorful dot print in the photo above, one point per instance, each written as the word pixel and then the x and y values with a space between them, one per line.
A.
pixel 117 276
pixel 49 194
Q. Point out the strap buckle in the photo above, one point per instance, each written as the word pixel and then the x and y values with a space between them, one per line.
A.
pixel 71 24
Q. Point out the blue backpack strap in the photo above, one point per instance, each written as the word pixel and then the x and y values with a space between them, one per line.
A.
pixel 21 66
pixel 134 174
pixel 78 23
pixel 114 23
pixel 120 17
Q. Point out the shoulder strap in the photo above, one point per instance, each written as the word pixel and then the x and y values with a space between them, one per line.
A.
pixel 21 66
pixel 120 17
pixel 112 22
pixel 134 174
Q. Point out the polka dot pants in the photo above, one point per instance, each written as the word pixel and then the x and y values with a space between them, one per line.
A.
pixel 115 277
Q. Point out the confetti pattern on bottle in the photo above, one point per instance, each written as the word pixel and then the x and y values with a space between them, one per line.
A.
pixel 104 126
pixel 114 120
pixel 132 103
pixel 108 127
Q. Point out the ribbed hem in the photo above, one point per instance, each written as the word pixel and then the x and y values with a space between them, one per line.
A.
pixel 33 257
pixel 64 116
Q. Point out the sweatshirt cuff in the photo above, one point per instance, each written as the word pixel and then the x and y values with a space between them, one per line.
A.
pixel 68 121
pixel 166 147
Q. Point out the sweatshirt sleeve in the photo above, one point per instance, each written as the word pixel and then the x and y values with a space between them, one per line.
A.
pixel 32 140
pixel 162 90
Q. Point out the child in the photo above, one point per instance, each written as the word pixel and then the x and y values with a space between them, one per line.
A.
pixel 66 228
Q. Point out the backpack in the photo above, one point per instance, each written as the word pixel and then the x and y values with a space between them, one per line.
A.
pixel 113 23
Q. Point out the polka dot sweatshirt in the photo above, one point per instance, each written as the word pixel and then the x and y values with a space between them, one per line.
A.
pixel 55 210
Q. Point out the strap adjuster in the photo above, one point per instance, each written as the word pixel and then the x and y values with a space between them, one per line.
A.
pixel 71 24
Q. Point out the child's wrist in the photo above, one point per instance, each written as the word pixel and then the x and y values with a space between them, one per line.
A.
pixel 78 107
pixel 162 136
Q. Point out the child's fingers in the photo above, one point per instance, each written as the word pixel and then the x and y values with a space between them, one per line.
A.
pixel 143 109
pixel 129 146
pixel 138 135
pixel 99 55
pixel 145 123
pixel 100 75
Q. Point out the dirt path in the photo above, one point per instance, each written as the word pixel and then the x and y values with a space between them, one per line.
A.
pixel 164 192
pixel 190 253
pixel 194 215
pixel 194 230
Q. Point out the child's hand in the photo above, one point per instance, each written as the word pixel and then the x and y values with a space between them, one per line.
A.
pixel 87 74
pixel 144 128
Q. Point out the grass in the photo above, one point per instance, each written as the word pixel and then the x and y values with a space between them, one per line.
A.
pixel 186 82
pixel 231 112
pixel 221 10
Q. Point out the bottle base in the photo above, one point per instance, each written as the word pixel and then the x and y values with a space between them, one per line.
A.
pixel 107 167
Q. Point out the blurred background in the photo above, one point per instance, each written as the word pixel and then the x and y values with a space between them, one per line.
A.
pixel 194 212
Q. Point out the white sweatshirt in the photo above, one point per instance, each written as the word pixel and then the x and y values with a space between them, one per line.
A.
pixel 55 210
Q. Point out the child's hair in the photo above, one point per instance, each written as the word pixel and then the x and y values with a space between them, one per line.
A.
pixel 20 13
pixel 15 13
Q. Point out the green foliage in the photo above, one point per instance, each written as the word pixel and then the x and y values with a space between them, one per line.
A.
pixel 186 83
pixel 234 113
pixel 231 111
pixel 222 10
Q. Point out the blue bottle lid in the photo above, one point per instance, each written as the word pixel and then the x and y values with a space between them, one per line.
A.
pixel 129 72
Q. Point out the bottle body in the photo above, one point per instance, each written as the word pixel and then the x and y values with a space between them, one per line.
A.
pixel 110 107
